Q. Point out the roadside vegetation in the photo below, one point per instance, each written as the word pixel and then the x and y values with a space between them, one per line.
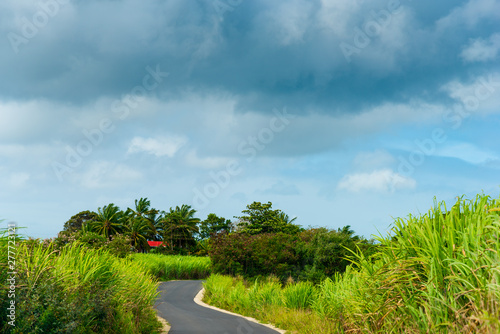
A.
pixel 435 273
pixel 76 290
pixel 170 267
pixel 100 275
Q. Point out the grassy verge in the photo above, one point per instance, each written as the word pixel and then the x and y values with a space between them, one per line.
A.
pixel 169 267
pixel 76 290
pixel 436 273
pixel 266 300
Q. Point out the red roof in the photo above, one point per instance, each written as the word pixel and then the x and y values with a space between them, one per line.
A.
pixel 155 243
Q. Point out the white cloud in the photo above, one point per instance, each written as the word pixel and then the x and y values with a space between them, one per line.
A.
pixel 468 153
pixel 482 50
pixel 288 22
pixel 104 174
pixel 336 16
pixel 373 160
pixel 480 95
pixel 471 13
pixel 282 188
pixel 383 180
pixel 192 159
pixel 162 146
pixel 24 121
pixel 18 180
pixel 11 150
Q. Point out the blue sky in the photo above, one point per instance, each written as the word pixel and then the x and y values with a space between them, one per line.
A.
pixel 338 112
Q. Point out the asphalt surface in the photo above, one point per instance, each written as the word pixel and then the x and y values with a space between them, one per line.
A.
pixel 176 305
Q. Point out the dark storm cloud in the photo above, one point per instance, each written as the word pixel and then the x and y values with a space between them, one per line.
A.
pixel 268 54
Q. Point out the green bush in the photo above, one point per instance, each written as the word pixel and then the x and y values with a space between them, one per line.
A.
pixel 312 255
pixel 78 290
pixel 436 273
pixel 253 255
pixel 120 245
pixel 327 252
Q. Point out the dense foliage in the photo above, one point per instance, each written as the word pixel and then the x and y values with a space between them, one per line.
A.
pixel 75 223
pixel 437 273
pixel 312 254
pixel 77 289
pixel 261 218
pixel 213 225
pixel 251 255
pixel 179 230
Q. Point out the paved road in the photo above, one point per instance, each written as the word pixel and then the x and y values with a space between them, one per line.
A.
pixel 176 305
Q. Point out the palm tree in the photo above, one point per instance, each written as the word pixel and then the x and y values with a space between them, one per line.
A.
pixel 179 225
pixel 141 207
pixel 143 212
pixel 138 231
pixel 283 217
pixel 155 222
pixel 86 227
pixel 348 233
pixel 109 221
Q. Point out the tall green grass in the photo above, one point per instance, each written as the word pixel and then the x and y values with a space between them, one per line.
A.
pixel 436 273
pixel 79 290
pixel 267 300
pixel 168 267
pixel 299 295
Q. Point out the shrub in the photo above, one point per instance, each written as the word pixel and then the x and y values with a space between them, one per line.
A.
pixel 311 255
pixel 327 252
pixel 252 255
pixel 119 245
pixel 79 290
pixel 436 273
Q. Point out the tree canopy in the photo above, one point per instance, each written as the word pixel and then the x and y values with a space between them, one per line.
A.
pixel 213 225
pixel 179 228
pixel 75 223
pixel 261 218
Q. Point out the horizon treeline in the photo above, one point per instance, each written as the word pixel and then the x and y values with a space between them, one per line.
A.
pixel 178 228
pixel 261 241
pixel 180 231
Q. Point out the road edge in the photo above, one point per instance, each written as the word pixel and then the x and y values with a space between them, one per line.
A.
pixel 166 325
pixel 198 299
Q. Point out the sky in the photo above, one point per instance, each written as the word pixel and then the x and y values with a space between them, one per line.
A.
pixel 338 112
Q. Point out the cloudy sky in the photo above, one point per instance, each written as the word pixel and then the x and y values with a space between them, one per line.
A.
pixel 338 112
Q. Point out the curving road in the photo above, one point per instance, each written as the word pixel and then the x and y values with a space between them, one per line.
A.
pixel 176 305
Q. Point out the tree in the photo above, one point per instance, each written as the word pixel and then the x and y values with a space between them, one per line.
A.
pixel 261 218
pixel 346 230
pixel 328 250
pixel 109 221
pixel 75 223
pixel 144 213
pixel 138 231
pixel 179 226
pixel 284 218
pixel 213 225
pixel 154 219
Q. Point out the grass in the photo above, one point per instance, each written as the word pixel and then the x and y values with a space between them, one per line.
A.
pixel 436 273
pixel 270 302
pixel 77 290
pixel 81 290
pixel 169 267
